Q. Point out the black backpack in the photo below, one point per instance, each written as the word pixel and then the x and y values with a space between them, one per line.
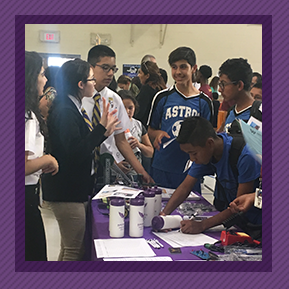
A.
pixel 254 111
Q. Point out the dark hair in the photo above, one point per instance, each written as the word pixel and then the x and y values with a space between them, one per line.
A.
pixel 50 73
pixel 147 57
pixel 196 130
pixel 155 79
pixel 124 79
pixel 258 75
pixel 237 69
pixel 127 94
pixel 98 51
pixel 206 71
pixel 68 77
pixel 164 75
pixel 215 82
pixel 33 65
pixel 183 53
pixel 258 84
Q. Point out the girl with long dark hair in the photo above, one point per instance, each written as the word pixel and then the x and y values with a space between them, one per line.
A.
pixel 152 82
pixel 72 141
pixel 35 162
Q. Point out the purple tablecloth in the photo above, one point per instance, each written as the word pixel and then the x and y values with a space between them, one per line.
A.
pixel 100 221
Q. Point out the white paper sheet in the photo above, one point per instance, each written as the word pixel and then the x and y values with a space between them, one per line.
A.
pixel 253 138
pixel 140 259
pixel 124 247
pixel 177 239
pixel 117 191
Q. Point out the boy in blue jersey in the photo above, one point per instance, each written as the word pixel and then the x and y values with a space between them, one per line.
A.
pixel 210 153
pixel 235 84
pixel 169 108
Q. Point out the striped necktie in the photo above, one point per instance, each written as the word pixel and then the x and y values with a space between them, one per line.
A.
pixel 95 121
pixel 96 110
pixel 86 119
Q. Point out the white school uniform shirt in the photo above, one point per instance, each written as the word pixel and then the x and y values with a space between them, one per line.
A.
pixel 115 102
pixel 34 145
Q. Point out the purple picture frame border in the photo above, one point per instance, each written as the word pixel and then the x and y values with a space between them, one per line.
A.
pixel 25 266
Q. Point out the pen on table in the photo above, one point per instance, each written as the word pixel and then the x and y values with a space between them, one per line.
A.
pixel 153 244
pixel 157 246
pixel 159 243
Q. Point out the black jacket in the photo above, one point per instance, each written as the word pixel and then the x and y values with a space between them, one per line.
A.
pixel 72 144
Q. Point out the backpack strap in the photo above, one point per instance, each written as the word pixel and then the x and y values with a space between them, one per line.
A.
pixel 209 102
pixel 254 111
pixel 230 109
pixel 236 149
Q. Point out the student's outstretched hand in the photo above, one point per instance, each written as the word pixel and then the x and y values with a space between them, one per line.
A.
pixel 158 139
pixel 108 119
pixel 191 227
pixel 243 203
pixel 112 124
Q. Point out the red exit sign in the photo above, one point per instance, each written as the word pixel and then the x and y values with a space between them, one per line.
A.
pixel 50 36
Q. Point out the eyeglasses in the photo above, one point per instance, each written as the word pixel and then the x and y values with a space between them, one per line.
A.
pixel 91 79
pixel 223 84
pixel 107 68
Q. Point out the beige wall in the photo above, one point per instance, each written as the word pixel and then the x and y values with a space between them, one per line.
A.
pixel 213 43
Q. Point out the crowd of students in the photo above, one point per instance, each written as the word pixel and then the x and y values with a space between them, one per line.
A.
pixel 81 118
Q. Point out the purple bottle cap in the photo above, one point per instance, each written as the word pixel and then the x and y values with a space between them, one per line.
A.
pixel 117 202
pixel 157 222
pixel 140 196
pixel 137 202
pixel 149 194
pixel 158 191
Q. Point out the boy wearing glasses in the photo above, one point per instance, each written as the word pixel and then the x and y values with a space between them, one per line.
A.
pixel 102 60
pixel 168 110
pixel 235 84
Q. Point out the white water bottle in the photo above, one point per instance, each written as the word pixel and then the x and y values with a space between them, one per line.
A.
pixel 149 207
pixel 136 217
pixel 158 201
pixel 116 218
pixel 128 134
pixel 166 222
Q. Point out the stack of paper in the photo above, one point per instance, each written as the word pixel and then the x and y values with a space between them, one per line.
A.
pixel 119 248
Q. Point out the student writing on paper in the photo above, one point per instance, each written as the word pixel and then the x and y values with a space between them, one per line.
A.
pixel 210 153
